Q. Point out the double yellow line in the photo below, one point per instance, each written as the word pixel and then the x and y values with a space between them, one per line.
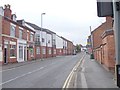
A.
pixel 68 80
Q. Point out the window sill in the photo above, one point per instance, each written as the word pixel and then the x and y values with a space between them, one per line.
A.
pixel 12 57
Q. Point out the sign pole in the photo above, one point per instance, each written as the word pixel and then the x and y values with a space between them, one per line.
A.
pixel 116 9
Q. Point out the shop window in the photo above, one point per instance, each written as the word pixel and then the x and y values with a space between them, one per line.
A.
pixel 12 51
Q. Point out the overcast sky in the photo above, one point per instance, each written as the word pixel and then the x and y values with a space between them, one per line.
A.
pixel 68 18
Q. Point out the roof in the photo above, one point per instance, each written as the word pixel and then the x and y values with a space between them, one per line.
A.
pixel 98 27
pixel 33 25
pixel 39 28
pixel 16 23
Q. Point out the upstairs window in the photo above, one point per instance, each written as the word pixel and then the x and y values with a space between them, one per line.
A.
pixel 37 38
pixel 20 34
pixel 12 31
pixel 48 41
pixel 31 37
pixel 43 40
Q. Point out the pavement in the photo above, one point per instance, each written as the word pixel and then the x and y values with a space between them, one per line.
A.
pixel 94 75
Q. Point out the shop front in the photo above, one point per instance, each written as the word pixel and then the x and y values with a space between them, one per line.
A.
pixel 22 51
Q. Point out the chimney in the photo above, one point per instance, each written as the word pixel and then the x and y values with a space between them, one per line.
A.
pixel 7 11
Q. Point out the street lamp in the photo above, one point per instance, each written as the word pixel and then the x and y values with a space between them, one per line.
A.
pixel 41 34
pixel 91 44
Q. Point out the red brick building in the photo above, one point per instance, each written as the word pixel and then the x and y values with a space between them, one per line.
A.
pixel 70 48
pixel 108 49
pixel 103 44
pixel 17 39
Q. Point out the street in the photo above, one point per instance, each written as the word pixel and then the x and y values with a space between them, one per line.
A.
pixel 50 73
pixel 55 73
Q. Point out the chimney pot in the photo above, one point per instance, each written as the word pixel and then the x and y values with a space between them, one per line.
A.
pixel 5 6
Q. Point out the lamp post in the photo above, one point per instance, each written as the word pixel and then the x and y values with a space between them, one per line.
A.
pixel 41 34
pixel 91 43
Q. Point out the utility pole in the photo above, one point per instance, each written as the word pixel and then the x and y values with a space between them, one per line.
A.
pixel 116 9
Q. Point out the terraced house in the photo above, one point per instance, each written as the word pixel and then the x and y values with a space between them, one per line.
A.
pixel 45 42
pixel 23 41
pixel 17 39
pixel 104 44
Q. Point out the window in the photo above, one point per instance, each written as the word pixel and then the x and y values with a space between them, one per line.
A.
pixel 38 50
pixel 12 31
pixel 20 34
pixel 49 51
pixel 31 37
pixel 20 52
pixel 37 39
pixel 43 40
pixel 60 51
pixel 31 52
pixel 12 50
pixel 43 51
pixel 48 41
pixel 54 51
pixel 53 41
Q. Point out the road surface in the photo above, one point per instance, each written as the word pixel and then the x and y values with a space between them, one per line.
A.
pixel 49 73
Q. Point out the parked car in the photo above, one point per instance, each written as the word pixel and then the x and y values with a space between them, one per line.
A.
pixel 74 52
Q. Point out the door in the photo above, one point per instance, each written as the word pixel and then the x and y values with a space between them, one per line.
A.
pixel 5 55
pixel 25 54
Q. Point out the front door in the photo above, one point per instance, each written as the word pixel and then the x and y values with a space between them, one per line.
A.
pixel 25 54
pixel 5 55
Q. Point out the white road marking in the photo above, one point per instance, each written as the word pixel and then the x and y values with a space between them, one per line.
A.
pixel 8 69
pixel 22 75
pixel 83 69
pixel 83 81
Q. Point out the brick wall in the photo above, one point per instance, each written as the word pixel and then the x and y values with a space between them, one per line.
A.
pixel 109 52
pixel 103 44
pixel 97 40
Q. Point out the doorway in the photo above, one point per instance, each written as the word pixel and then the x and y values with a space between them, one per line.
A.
pixel 5 54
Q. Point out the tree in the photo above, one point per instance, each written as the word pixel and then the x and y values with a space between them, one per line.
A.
pixel 78 47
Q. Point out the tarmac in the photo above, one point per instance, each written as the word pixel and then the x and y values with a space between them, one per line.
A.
pixel 92 74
